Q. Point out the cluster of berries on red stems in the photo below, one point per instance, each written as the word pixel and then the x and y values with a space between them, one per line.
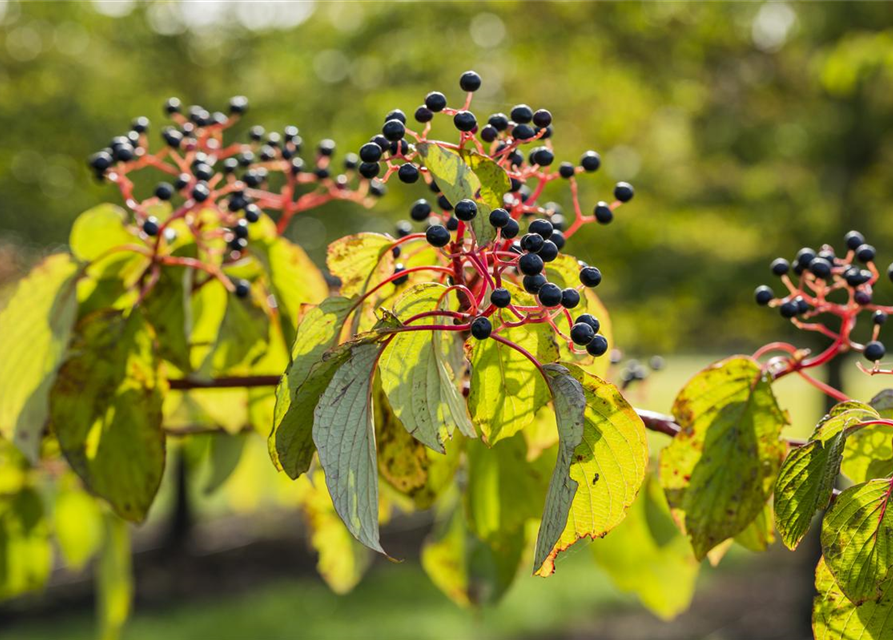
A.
pixel 266 173
pixel 448 225
pixel 828 284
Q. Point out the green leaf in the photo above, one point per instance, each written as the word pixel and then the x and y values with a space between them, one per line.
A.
pixel 243 339
pixel 720 469
pixel 646 555
pixel 294 280
pixel 96 231
pixel 78 527
pixel 26 555
pixel 224 454
pixel 106 409
pixel 834 617
pixel 416 377
pixel 504 489
pixel 602 459
pixel 114 579
pixel 857 539
pixel 468 175
pixel 291 442
pixel 469 571
pixel 506 389
pixel 224 409
pixel 342 561
pixel 869 453
pixel 167 308
pixel 361 261
pixel 35 327
pixel 344 435
pixel 806 480
pixel 760 533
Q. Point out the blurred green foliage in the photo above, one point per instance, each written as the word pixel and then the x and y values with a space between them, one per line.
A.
pixel 748 129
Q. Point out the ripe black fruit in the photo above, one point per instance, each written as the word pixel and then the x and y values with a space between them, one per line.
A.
pixel 623 191
pixel 530 264
pixel 481 328
pixel 590 276
pixel 763 295
pixel 532 242
pixel 150 226
pixel 400 279
pixel 541 227
pixel 522 114
pixel 570 298
pixel 470 81
pixel 403 229
pixel 201 192
pixel 854 239
pixel 393 130
pixel 542 118
pixel 598 346
pixel 437 235
pixel 780 266
pixel 498 121
pixel 466 210
pixel 435 101
pixel 549 251
pixel 879 317
pixel 865 253
pixel 423 114
pixel 532 284
pixel 582 333
pixel 420 210
pixel 550 295
pixel 369 170
pixel 591 161
pixel 511 229
pixel 603 213
pixel 370 152
pixel 465 121
pixel 408 173
pixel 589 319
pixel 874 351
pixel 566 170
pixel 820 268
pixel 164 191
pixel 789 309
pixel 243 288
pixel 499 218
pixel 501 298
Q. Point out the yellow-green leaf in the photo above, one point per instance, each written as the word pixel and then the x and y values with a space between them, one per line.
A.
pixel 224 454
pixel 26 555
pixel 646 555
pixel 469 571
pixel 416 376
pixel 290 442
pixel 78 526
pixel 857 539
pixel 106 409
pixel 834 617
pixel 760 533
pixel 35 327
pixel 721 467
pixel 99 229
pixel 114 579
pixel 506 389
pixel 243 339
pixel 806 479
pixel 602 459
pixel 869 451
pixel 360 261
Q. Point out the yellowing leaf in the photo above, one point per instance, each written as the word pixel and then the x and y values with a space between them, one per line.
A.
pixel 601 464
pixel 834 617
pixel 35 327
pixel 720 469
pixel 342 561
pixel 224 454
pixel 360 261
pixel 114 579
pixel 419 383
pixel 869 451
pixel 78 527
pixel 291 443
pixel 26 556
pixel 647 555
pixel 806 479
pixel 857 539
pixel 469 571
pixel 106 409
pixel 506 389
pixel 99 229
pixel 760 533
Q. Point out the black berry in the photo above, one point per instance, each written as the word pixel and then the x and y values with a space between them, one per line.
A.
pixel 865 253
pixel 243 288
pixel 435 101
pixel 542 118
pixel 780 266
pixel 589 319
pixel 532 284
pixel 623 191
pixel 541 227
pixel 466 210
pixel 408 173
pixel 511 229
pixel 566 170
pixel 570 298
pixel 603 213
pixel 393 130
pixel 501 298
pixel 763 295
pixel 481 328
pixel 532 242
pixel 420 210
pixel 470 81
pixel 590 276
pixel 874 351
pixel 582 334
pixel 549 251
pixel 465 121
pixel 522 114
pixel 530 264
pixel 437 236
pixel 854 240
pixel 550 295
pixel 591 161
pixel 598 346
pixel 499 218
pixel 150 226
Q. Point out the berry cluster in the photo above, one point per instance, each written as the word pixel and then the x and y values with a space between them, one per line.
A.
pixel 479 269
pixel 219 190
pixel 831 286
